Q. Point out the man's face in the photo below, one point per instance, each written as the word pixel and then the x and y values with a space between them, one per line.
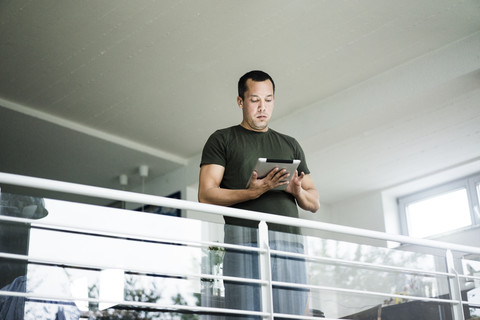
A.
pixel 257 105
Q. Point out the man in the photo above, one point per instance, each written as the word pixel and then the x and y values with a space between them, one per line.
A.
pixel 228 159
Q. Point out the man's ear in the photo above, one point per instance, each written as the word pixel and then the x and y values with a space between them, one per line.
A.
pixel 240 102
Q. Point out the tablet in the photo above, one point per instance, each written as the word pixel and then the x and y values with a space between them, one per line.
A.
pixel 265 165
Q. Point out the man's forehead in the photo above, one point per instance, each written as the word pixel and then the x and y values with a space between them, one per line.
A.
pixel 260 87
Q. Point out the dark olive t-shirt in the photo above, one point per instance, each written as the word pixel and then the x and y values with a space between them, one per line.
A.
pixel 237 150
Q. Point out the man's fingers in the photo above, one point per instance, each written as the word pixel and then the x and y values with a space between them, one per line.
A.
pixel 278 174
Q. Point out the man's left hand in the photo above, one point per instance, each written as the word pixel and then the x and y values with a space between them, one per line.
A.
pixel 295 185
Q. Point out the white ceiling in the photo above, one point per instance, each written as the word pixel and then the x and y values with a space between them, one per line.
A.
pixel 93 89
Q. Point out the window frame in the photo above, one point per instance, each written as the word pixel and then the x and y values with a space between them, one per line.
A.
pixel 469 183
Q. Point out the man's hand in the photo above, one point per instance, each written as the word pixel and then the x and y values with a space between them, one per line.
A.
pixel 302 188
pixel 276 177
pixel 295 185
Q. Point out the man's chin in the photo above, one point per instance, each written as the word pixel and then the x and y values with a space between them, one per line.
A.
pixel 261 126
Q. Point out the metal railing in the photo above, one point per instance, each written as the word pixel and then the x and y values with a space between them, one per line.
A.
pixel 455 279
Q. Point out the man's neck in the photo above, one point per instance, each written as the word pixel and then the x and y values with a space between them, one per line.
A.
pixel 247 127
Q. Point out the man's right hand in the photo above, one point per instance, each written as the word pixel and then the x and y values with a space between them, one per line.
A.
pixel 276 177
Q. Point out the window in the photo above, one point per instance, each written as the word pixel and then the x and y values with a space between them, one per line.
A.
pixel 441 209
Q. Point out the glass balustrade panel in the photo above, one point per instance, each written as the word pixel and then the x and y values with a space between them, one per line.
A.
pixel 346 278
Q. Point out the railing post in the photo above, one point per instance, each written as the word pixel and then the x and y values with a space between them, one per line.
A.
pixel 265 269
pixel 456 293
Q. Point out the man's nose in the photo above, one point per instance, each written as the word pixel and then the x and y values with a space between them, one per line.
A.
pixel 261 105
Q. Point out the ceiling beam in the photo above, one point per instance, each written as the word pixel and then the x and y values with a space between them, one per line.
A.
pixel 94 132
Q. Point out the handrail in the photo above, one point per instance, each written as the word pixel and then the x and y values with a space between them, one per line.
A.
pixel 99 192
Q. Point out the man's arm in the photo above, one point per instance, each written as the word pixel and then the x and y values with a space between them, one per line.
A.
pixel 303 189
pixel 209 190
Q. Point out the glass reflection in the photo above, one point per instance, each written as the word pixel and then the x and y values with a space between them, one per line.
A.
pixel 14 239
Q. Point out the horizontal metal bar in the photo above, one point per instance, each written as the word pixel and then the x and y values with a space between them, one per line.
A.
pixel 469 277
pixel 173 308
pixel 361 264
pixel 471 304
pixel 122 235
pixel 68 264
pixel 361 292
pixel 98 192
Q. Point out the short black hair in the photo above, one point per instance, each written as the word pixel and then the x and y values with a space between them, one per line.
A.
pixel 255 75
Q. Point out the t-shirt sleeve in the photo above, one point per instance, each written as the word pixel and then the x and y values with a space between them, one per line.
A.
pixel 214 151
pixel 302 167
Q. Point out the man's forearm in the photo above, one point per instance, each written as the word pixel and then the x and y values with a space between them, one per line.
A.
pixel 308 200
pixel 226 197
